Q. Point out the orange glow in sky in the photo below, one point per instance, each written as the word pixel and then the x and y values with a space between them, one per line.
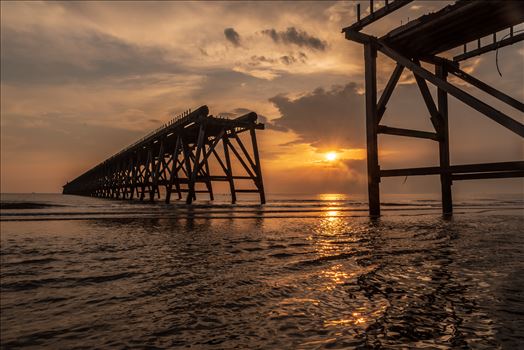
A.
pixel 331 156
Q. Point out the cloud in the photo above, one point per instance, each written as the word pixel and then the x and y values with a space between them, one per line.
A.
pixel 258 60
pixel 297 37
pixel 291 59
pixel 232 36
pixel 324 119
pixel 43 56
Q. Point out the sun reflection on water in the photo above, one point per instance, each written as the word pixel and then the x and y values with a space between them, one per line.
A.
pixel 335 275
pixel 332 196
pixel 332 215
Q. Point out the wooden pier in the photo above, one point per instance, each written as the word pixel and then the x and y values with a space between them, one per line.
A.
pixel 423 40
pixel 177 157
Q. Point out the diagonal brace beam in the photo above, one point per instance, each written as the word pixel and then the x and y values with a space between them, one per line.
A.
pixel 388 90
pixel 485 87
pixel 463 96
pixel 436 118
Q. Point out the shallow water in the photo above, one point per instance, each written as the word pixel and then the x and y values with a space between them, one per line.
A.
pixel 308 272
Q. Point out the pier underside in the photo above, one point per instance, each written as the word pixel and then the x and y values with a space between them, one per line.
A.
pixel 421 40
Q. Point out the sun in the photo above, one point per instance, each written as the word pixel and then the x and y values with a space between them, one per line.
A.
pixel 331 156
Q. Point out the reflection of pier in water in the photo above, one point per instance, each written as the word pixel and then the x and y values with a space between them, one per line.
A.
pixel 421 40
pixel 176 158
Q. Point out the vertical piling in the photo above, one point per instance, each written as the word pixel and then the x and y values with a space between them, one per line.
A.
pixel 445 177
pixel 258 168
pixel 370 58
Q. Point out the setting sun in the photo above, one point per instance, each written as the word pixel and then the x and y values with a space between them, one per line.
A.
pixel 331 156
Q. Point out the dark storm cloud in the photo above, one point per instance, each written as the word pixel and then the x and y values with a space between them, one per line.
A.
pixel 323 118
pixel 44 57
pixel 232 36
pixel 297 37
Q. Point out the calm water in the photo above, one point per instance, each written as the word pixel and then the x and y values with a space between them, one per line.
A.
pixel 306 273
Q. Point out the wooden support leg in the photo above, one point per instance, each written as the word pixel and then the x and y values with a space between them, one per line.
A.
pixel 134 180
pixel 192 180
pixel 147 175
pixel 258 168
pixel 174 170
pixel 187 160
pixel 229 171
pixel 445 178
pixel 156 172
pixel 208 182
pixel 152 188
pixel 370 57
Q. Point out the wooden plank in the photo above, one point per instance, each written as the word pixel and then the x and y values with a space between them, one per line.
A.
pixel 454 25
pixel 382 129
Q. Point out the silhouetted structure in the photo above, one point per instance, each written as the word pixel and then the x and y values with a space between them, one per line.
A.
pixel 421 40
pixel 176 157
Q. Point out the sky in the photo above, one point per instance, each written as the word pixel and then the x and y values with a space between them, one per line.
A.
pixel 81 80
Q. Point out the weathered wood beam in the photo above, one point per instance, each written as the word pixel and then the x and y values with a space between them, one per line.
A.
pixel 240 159
pixel 382 129
pixel 196 168
pixel 490 47
pixel 492 175
pixel 376 15
pixel 208 182
pixel 486 88
pixel 388 90
pixel 463 96
pixel 244 150
pixel 370 61
pixel 229 171
pixel 455 169
pixel 258 167
pixel 435 117
pixel 445 179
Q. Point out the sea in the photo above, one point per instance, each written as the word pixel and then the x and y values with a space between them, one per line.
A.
pixel 300 272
